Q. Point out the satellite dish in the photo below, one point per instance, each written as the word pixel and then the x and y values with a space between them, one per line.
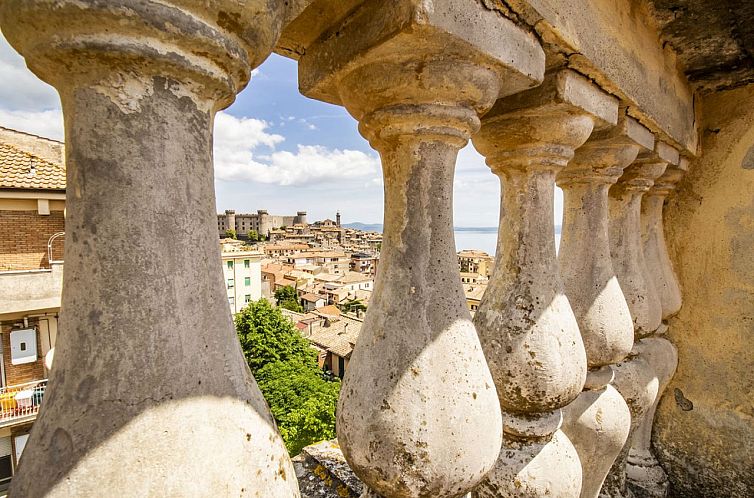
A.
pixel 48 358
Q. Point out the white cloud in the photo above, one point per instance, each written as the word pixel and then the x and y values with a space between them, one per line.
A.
pixel 242 134
pixel 19 88
pixel 47 124
pixel 237 158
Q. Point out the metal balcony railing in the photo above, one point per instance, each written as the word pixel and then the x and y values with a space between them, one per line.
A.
pixel 21 401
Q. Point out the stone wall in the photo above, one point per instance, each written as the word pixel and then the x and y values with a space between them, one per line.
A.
pixel 704 429
pixel 23 245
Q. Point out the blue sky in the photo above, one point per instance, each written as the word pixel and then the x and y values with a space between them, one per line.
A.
pixel 275 149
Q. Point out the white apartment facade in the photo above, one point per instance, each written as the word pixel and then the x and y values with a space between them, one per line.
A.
pixel 242 271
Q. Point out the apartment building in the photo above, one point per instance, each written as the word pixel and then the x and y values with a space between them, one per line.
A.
pixel 472 261
pixel 243 277
pixel 32 225
pixel 335 262
pixel 364 263
pixel 283 249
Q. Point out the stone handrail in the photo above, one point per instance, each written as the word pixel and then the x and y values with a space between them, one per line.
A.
pixel 149 377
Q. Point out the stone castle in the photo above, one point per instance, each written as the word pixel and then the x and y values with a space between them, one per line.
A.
pixel 620 366
pixel 261 222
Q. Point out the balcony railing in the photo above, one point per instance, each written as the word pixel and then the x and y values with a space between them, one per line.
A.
pixel 21 401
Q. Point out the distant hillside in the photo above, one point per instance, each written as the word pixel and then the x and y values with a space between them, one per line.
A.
pixel 377 227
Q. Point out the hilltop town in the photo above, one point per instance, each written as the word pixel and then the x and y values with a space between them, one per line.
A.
pixel 321 274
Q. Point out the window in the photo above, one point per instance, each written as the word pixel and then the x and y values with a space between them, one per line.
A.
pixel 230 265
pixel 247 298
pixel 246 263
pixel 247 281
pixel 232 301
pixel 231 283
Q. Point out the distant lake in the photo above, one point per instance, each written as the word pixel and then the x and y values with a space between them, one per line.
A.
pixel 484 239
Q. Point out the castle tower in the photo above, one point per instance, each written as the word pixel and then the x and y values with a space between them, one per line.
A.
pixel 230 219
pixel 301 217
pixel 265 224
pixel 337 219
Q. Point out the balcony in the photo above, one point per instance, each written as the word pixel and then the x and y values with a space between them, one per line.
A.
pixel 21 402
pixel 30 290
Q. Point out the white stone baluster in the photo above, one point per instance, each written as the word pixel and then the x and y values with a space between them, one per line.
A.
pixel 598 421
pixel 150 394
pixel 418 414
pixel 527 328
pixel 644 473
pixel 635 378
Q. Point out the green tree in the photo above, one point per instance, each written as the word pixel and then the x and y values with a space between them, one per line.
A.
pixel 287 298
pixel 302 403
pixel 267 336
pixel 353 305
pixel 230 233
pixel 253 236
pixel 302 400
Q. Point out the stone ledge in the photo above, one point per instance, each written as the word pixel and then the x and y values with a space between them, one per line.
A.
pixel 323 472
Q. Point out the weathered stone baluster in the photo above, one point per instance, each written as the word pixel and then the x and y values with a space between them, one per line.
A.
pixel 644 473
pixel 598 421
pixel 635 379
pixel 527 328
pixel 150 392
pixel 418 414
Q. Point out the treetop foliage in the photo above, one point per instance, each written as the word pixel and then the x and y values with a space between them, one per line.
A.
pixel 267 336
pixel 302 400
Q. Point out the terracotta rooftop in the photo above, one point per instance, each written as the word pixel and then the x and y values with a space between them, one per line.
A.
pixel 330 310
pixel 338 338
pixel 22 170
pixel 312 298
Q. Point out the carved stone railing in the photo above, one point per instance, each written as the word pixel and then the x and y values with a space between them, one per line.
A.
pixel 636 378
pixel 420 408
pixel 418 413
pixel 149 378
pixel 643 470
pixel 598 421
pixel 527 328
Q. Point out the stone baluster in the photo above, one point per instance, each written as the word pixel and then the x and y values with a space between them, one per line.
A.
pixel 418 414
pixel 635 378
pixel 646 477
pixel 150 391
pixel 598 421
pixel 527 328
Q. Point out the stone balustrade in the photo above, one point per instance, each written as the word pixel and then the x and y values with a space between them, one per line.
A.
pixel 518 402
pixel 636 377
pixel 150 391
pixel 598 421
pixel 528 331
pixel 643 470
pixel 418 384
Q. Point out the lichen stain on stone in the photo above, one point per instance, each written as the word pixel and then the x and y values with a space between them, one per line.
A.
pixel 62 444
pixel 685 404
pixel 126 92
pixel 230 22
pixel 748 162
pixel 85 388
